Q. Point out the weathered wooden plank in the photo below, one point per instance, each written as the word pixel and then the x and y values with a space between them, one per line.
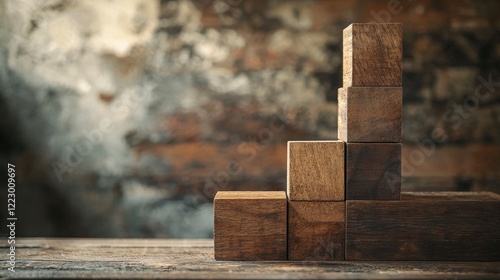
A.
pixel 250 225
pixel 425 226
pixel 315 170
pixel 373 55
pixel 316 230
pixel 373 171
pixel 370 114
pixel 65 258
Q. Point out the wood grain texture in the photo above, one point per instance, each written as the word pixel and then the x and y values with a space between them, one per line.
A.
pixel 373 171
pixel 316 230
pixel 315 170
pixel 64 258
pixel 370 114
pixel 425 227
pixel 373 55
pixel 250 225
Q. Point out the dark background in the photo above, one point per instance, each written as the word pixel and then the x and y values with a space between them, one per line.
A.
pixel 124 118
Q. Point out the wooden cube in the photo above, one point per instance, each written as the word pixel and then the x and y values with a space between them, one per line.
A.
pixel 373 170
pixel 370 114
pixel 444 226
pixel 373 55
pixel 250 225
pixel 316 230
pixel 315 170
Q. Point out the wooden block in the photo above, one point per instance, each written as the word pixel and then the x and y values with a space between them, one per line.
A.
pixel 373 55
pixel 315 170
pixel 370 114
pixel 425 227
pixel 316 230
pixel 250 225
pixel 373 170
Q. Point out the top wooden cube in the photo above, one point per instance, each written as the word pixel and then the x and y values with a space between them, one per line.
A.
pixel 373 55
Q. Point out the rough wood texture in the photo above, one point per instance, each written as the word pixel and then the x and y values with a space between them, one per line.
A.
pixel 315 170
pixel 250 225
pixel 316 230
pixel 373 55
pixel 370 114
pixel 193 259
pixel 373 171
pixel 425 226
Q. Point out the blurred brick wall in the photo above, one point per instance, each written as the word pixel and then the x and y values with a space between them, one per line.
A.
pixel 202 96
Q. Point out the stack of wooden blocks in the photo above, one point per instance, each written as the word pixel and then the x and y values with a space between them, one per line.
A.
pixel 343 199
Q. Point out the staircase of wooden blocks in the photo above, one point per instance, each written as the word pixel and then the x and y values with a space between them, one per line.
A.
pixel 343 199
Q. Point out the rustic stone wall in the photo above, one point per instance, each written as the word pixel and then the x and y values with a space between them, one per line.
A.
pixel 125 117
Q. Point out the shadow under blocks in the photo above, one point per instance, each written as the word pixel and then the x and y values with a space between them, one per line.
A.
pixel 343 198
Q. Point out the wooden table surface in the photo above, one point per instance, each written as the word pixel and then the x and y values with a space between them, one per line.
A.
pixel 193 259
